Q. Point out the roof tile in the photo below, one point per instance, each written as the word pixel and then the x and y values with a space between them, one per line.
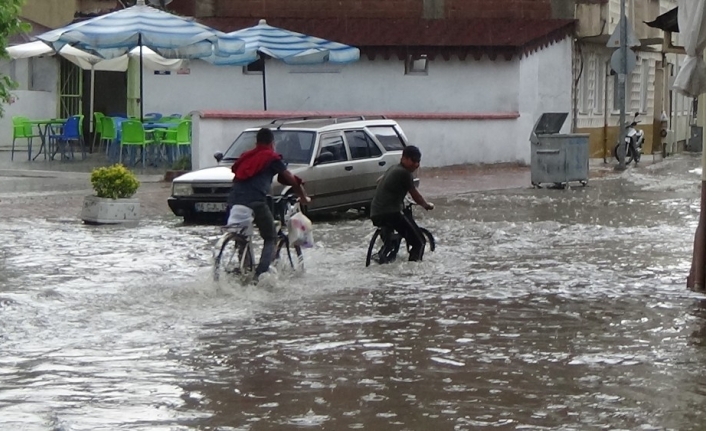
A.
pixel 381 32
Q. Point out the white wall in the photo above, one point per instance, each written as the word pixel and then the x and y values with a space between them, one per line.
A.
pixel 35 104
pixel 539 82
pixel 210 135
pixel 372 86
pixel 545 86
pixel 455 142
pixel 443 142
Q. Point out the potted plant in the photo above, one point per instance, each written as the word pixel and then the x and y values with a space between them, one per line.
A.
pixel 113 202
pixel 180 167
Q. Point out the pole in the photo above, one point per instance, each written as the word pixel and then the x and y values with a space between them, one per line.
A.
pixel 93 92
pixel 622 74
pixel 142 98
pixel 264 84
pixel 92 120
pixel 697 275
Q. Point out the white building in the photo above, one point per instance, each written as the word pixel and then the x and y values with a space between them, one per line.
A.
pixel 465 91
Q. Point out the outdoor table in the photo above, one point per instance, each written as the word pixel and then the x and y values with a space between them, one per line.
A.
pixel 44 133
pixel 159 130
pixel 114 154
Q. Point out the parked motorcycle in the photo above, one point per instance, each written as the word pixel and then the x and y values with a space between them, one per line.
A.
pixel 634 140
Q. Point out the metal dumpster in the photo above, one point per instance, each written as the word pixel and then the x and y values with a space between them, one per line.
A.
pixel 556 158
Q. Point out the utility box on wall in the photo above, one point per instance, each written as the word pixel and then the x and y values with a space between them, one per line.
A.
pixel 696 139
pixel 557 158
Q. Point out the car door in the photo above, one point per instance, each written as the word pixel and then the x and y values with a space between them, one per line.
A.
pixel 368 164
pixel 331 173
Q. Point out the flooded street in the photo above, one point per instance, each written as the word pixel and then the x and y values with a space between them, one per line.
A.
pixel 540 309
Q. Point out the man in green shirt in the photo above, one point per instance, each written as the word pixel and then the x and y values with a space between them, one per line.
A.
pixel 387 205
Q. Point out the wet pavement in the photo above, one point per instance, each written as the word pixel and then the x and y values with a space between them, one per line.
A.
pixel 540 309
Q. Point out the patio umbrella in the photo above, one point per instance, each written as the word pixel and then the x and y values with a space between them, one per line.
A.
pixel 691 81
pixel 171 36
pixel 263 40
pixel 87 61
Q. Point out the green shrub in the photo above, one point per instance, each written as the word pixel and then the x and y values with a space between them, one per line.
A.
pixel 183 164
pixel 114 182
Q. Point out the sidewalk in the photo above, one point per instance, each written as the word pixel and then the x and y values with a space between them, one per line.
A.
pixel 69 169
pixel 55 189
pixel 454 180
pixel 443 181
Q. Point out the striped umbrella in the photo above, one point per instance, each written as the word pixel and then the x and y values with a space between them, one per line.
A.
pixel 285 45
pixel 171 36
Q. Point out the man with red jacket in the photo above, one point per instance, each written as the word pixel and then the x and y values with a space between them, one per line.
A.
pixel 254 171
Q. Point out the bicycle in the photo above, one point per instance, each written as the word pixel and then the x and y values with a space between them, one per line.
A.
pixel 236 255
pixel 387 242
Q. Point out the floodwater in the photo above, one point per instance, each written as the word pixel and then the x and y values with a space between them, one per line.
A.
pixel 540 309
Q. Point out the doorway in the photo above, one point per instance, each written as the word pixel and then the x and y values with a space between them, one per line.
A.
pixel 110 95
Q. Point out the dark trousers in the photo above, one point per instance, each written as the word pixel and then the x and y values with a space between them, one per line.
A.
pixel 406 227
pixel 265 223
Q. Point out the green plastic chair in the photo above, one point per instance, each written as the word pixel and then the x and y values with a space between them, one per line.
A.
pixel 133 135
pixel 23 129
pixel 177 140
pixel 97 129
pixel 109 133
pixel 169 119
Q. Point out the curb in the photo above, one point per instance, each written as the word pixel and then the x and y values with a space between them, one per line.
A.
pixel 24 173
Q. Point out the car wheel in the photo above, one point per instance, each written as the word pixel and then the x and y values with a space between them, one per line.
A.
pixel 190 218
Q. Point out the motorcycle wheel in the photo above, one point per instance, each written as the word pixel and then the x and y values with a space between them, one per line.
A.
pixel 628 154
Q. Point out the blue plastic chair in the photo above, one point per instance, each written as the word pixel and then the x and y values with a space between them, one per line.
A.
pixel 70 133
pixel 152 116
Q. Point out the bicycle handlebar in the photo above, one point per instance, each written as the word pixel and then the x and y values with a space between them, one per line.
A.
pixel 409 203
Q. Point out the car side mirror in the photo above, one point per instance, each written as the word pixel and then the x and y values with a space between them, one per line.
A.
pixel 218 156
pixel 324 157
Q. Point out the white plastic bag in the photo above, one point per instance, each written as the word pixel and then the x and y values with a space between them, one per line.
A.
pixel 240 220
pixel 300 231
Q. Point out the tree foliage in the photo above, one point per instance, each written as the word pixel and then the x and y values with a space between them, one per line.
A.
pixel 9 25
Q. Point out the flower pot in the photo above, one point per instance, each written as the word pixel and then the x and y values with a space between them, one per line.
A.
pixel 110 211
pixel 171 174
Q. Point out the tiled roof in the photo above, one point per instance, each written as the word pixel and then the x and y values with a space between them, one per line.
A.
pixel 37 29
pixel 506 37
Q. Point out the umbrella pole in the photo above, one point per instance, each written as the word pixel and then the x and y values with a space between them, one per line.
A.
pixel 264 85
pixel 142 113
pixel 91 119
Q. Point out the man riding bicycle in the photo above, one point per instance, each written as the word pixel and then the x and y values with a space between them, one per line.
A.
pixel 386 208
pixel 254 171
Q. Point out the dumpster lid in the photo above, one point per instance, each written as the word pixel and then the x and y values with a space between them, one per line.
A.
pixel 550 123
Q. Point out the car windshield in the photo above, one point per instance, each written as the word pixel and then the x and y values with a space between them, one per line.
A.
pixel 295 146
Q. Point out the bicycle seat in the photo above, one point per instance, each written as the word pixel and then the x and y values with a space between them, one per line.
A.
pixel 242 231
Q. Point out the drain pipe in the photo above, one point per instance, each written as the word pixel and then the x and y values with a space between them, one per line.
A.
pixel 606 67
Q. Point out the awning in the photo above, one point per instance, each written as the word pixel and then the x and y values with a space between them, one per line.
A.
pixel 666 22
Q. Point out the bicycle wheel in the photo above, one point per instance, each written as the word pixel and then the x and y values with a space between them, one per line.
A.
pixel 234 258
pixel 283 251
pixel 431 242
pixel 376 243
pixel 381 251
pixel 429 239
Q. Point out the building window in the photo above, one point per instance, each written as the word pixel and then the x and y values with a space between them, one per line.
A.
pixel 416 65
pixel 254 68
pixel 644 85
pixel 8 68
pixel 587 85
pixel 616 95
pixel 599 77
